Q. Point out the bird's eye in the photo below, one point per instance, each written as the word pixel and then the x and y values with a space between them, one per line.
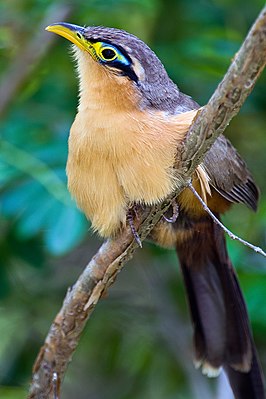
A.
pixel 108 54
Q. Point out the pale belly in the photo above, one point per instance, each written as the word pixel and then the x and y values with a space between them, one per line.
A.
pixel 112 166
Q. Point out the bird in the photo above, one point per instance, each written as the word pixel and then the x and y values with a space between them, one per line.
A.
pixel 124 150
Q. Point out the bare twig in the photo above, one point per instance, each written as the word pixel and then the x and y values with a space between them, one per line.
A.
pixel 101 271
pixel 225 229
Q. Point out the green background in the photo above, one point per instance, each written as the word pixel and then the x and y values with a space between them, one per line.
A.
pixel 138 343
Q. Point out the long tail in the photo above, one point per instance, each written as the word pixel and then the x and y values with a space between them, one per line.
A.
pixel 222 334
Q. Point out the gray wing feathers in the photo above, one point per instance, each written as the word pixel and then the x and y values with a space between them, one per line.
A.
pixel 229 174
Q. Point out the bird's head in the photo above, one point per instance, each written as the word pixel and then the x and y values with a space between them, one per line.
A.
pixel 124 58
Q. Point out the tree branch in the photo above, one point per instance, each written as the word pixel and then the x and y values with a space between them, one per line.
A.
pixel 102 270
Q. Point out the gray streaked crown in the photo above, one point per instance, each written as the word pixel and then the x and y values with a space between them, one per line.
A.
pixel 157 89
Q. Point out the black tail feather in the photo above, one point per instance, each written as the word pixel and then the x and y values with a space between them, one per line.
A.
pixel 222 335
pixel 247 385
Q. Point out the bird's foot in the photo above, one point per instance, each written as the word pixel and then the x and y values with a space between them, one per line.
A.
pixel 132 226
pixel 175 214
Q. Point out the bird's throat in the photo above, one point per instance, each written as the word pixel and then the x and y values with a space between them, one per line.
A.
pixel 101 89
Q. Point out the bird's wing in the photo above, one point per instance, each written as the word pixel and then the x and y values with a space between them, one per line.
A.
pixel 229 175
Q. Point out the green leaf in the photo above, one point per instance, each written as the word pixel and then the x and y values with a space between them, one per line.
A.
pixel 66 226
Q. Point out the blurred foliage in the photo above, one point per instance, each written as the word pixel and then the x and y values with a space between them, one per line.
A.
pixel 138 343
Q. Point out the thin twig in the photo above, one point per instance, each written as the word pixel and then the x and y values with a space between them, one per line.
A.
pixel 225 229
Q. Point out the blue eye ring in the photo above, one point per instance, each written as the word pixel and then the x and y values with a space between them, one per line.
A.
pixel 108 54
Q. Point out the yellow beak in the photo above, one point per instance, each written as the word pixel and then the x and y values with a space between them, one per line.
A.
pixel 73 33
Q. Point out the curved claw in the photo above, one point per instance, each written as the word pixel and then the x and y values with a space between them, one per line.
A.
pixel 175 214
pixel 133 229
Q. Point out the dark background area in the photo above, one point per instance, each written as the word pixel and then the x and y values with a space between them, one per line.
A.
pixel 138 343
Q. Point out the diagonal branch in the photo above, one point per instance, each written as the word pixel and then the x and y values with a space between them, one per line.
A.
pixel 102 270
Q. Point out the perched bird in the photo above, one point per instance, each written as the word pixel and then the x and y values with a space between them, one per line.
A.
pixel 123 145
